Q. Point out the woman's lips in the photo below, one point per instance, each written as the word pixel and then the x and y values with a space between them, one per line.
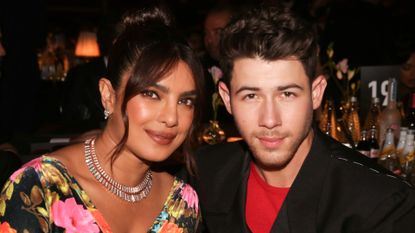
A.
pixel 161 137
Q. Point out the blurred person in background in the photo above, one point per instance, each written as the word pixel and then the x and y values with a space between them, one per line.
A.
pixel 404 56
pixel 406 84
pixel 81 106
pixel 2 53
pixel 216 19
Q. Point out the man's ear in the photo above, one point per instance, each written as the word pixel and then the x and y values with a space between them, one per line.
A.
pixel 224 93
pixel 317 90
pixel 107 95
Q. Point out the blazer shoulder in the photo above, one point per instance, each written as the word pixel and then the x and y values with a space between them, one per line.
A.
pixel 355 165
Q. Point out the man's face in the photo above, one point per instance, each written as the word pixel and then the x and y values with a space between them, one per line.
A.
pixel 214 23
pixel 272 104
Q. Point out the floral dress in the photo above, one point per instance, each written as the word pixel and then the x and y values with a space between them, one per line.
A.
pixel 43 197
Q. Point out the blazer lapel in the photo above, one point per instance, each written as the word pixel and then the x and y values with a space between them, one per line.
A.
pixel 298 213
pixel 281 223
pixel 237 218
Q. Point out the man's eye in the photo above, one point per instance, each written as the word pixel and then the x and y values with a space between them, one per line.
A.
pixel 287 94
pixel 249 96
pixel 150 94
pixel 187 101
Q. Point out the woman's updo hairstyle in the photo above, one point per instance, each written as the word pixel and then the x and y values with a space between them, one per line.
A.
pixel 143 17
pixel 146 50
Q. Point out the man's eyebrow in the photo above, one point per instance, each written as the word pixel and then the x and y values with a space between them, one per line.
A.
pixel 279 88
pixel 289 86
pixel 246 88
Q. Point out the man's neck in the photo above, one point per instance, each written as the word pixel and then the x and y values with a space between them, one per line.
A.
pixel 284 177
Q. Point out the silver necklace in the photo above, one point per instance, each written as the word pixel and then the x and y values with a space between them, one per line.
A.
pixel 127 193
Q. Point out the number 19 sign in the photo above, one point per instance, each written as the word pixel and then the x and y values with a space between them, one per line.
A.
pixel 374 83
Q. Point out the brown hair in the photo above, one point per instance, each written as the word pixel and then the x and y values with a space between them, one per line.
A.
pixel 271 33
pixel 146 50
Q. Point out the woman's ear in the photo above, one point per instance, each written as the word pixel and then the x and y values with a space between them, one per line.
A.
pixel 107 95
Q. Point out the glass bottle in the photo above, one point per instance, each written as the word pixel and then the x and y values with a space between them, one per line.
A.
pixel 388 158
pixel 322 123
pixel 401 142
pixel 363 145
pixel 373 145
pixel 372 118
pixel 331 123
pixel 353 120
pixel 407 158
pixel 410 118
pixel 390 116
pixel 401 109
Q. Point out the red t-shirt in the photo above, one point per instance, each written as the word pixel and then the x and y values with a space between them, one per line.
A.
pixel 263 202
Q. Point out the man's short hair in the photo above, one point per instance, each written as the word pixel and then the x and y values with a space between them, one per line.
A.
pixel 270 33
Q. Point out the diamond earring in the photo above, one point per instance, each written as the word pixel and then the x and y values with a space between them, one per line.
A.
pixel 106 114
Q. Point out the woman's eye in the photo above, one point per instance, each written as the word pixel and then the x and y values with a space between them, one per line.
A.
pixel 150 94
pixel 187 101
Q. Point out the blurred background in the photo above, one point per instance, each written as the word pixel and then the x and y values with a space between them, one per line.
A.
pixel 49 46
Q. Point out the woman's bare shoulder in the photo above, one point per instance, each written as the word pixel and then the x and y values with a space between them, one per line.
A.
pixel 71 156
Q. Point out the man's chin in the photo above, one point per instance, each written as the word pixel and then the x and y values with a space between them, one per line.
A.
pixel 272 164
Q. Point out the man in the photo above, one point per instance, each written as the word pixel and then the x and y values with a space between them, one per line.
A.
pixel 286 176
pixel 216 19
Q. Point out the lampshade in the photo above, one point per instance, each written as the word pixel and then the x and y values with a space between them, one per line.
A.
pixel 87 45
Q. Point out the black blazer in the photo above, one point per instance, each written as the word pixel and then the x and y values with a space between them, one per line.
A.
pixel 336 190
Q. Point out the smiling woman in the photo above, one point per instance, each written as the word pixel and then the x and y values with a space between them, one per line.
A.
pixel 108 183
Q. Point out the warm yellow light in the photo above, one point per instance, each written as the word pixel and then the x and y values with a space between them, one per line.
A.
pixel 87 45
pixel 2 51
pixel 233 139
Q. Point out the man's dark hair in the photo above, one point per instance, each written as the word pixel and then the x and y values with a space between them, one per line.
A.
pixel 270 33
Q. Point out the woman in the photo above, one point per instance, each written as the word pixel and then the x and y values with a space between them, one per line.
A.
pixel 109 183
pixel 406 84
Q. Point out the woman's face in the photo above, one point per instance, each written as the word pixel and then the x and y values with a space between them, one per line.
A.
pixel 408 72
pixel 159 117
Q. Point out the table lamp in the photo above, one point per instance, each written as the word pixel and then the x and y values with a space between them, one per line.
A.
pixel 87 45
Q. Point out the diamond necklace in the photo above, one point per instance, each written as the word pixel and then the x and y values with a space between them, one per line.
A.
pixel 127 193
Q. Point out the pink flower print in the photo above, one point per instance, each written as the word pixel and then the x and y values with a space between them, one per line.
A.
pixel 35 163
pixel 6 228
pixel 72 217
pixel 170 227
pixel 190 197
